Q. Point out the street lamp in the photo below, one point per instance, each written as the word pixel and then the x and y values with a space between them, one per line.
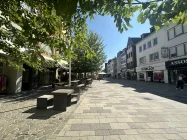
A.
pixel 70 68
pixel 70 72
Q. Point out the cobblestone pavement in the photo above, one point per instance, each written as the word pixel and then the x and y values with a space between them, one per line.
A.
pixel 128 110
pixel 20 120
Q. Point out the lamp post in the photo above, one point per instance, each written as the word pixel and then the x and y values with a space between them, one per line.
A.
pixel 70 71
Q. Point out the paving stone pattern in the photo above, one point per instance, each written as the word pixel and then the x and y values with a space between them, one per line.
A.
pixel 20 120
pixel 128 110
pixel 108 110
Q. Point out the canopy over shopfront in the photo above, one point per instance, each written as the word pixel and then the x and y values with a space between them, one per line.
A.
pixel 102 73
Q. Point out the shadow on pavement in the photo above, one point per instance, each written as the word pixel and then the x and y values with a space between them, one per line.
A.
pixel 41 114
pixel 24 97
pixel 161 89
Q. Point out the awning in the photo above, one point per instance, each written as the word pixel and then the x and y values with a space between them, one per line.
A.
pixel 48 58
pixel 63 64
pixel 102 73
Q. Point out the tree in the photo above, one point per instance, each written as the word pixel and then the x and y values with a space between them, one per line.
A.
pixel 24 23
pixel 82 63
pixel 158 12
pixel 60 23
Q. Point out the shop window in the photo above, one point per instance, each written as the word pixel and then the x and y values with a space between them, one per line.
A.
pixel 155 41
pixel 149 44
pixel 142 60
pixel 141 75
pixel 173 52
pixel 180 50
pixel 178 30
pixel 185 28
pixel 159 76
pixel 140 49
pixel 1 68
pixel 154 56
pixel 171 34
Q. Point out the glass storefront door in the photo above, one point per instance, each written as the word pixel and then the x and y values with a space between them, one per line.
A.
pixel 174 73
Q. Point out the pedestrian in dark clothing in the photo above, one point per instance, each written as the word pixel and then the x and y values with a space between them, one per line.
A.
pixel 180 82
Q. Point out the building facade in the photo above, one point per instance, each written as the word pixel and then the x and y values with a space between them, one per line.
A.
pixel 150 63
pixel 119 54
pixel 106 67
pixel 109 67
pixel 123 64
pixel 112 67
pixel 177 52
pixel 159 53
pixel 13 81
pixel 131 58
pixel 114 75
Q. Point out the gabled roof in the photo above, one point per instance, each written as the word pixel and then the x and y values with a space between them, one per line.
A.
pixel 135 39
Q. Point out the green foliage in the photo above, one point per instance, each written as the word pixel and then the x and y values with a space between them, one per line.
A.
pixel 91 60
pixel 24 23
pixel 60 24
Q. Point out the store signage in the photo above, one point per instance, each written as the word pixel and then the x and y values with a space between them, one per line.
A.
pixel 149 68
pixel 178 62
pixel 181 62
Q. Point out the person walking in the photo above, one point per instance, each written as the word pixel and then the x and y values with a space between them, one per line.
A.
pixel 180 82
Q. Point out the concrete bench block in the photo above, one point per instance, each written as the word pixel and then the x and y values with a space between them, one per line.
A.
pixel 44 101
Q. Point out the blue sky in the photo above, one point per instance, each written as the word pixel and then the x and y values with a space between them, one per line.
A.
pixel 115 41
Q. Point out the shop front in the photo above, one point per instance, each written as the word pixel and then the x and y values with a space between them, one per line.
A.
pixel 176 67
pixel 152 73
pixel 131 75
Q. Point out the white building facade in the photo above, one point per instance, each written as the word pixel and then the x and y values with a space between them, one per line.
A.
pixel 154 51
pixel 150 63
pixel 119 64
pixel 177 52
pixel 123 64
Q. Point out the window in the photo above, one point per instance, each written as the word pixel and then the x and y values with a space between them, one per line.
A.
pixel 1 68
pixel 141 75
pixel 185 28
pixel 143 60
pixel 178 30
pixel 132 65
pixel 180 50
pixel 144 47
pixel 149 44
pixel 171 34
pixel 159 76
pixel 131 54
pixel 140 49
pixel 173 52
pixel 154 56
pixel 155 41
pixel 186 47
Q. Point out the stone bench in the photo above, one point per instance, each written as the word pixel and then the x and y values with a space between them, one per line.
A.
pixel 62 99
pixel 44 101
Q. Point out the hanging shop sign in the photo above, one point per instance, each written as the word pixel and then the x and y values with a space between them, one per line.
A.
pixel 149 68
pixel 176 63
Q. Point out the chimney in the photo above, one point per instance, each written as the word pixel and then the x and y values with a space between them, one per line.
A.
pixel 152 29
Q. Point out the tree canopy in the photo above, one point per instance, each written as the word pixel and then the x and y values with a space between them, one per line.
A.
pixel 60 24
pixel 81 63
